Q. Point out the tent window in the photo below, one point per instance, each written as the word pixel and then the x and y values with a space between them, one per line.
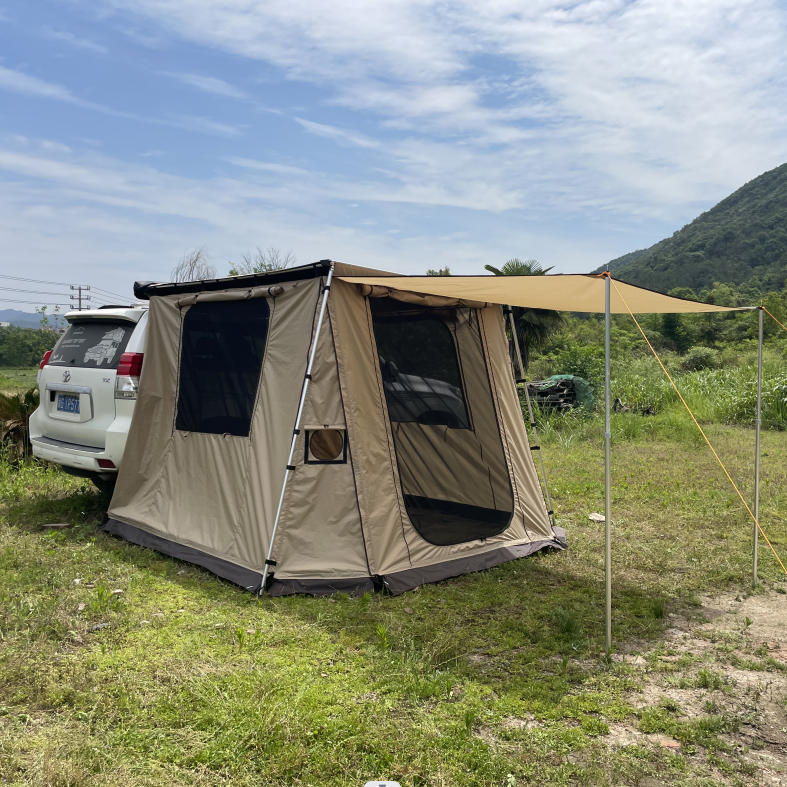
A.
pixel 326 446
pixel 221 356
pixel 420 372
pixel 449 453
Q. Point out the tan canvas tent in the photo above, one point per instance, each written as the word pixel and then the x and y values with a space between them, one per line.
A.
pixel 296 442
pixel 410 464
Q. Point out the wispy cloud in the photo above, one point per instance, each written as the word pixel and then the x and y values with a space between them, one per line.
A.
pixel 340 135
pixel 18 82
pixel 70 38
pixel 267 166
pixel 643 105
pixel 212 85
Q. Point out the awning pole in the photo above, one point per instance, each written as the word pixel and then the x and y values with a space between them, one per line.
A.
pixel 537 446
pixel 297 430
pixel 607 470
pixel 758 426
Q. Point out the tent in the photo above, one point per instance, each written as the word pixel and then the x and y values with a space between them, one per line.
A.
pixel 408 458
pixel 303 432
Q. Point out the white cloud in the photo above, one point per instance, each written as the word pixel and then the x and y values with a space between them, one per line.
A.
pixel 212 85
pixel 70 38
pixel 637 107
pixel 267 166
pixel 340 135
pixel 17 82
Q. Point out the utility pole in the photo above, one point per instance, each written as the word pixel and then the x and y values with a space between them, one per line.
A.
pixel 80 297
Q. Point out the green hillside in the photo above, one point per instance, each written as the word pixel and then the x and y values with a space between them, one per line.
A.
pixel 741 239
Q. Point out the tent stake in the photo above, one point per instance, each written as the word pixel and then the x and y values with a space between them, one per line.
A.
pixel 758 425
pixel 306 380
pixel 521 365
pixel 607 472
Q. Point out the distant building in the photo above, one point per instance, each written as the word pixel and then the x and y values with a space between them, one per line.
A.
pixel 5 324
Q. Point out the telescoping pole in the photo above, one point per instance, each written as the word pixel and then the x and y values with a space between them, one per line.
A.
pixel 537 446
pixel 758 426
pixel 297 430
pixel 607 471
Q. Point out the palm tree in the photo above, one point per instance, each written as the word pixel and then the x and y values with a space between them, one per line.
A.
pixel 15 411
pixel 533 326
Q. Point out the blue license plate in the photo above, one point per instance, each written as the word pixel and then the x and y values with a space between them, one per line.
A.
pixel 68 404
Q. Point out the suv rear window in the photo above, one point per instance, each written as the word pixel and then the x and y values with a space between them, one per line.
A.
pixel 93 344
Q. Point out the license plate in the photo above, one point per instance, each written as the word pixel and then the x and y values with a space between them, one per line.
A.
pixel 68 404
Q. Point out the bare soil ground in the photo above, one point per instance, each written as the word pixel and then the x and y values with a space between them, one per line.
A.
pixel 729 658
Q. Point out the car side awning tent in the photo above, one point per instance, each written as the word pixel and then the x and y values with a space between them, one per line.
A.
pixel 334 428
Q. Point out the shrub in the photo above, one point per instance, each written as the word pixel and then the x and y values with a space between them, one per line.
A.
pixel 700 358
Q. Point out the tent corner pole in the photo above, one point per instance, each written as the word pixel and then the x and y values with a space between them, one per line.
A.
pixel 550 512
pixel 296 430
pixel 607 472
pixel 758 427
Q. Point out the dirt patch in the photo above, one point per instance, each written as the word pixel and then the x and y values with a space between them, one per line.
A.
pixel 724 663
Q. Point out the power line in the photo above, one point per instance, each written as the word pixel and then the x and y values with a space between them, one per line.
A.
pixel 34 292
pixel 36 281
pixel 37 303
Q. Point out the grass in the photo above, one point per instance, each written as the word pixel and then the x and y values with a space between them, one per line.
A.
pixel 494 678
pixel 14 380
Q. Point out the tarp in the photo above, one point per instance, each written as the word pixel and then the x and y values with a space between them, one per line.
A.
pixel 569 292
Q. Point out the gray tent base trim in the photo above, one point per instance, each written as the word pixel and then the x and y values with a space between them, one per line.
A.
pixel 395 584
pixel 412 578
pixel 245 577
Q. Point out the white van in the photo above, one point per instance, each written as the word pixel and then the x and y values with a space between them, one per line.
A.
pixel 88 387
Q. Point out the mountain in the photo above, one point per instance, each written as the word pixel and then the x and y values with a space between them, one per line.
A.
pixel 742 238
pixel 22 319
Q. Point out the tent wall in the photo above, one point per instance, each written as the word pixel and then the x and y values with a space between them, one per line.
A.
pixel 210 492
pixel 393 544
pixel 320 535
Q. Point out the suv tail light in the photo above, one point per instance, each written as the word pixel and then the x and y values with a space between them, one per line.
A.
pixel 45 359
pixel 128 372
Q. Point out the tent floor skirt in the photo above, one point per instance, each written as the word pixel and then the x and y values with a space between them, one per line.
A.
pixel 412 578
pixel 245 577
pixel 395 584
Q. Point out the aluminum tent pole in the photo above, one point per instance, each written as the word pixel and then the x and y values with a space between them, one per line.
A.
pixel 758 426
pixel 297 430
pixel 537 446
pixel 607 471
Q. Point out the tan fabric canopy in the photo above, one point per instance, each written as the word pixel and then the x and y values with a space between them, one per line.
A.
pixel 563 292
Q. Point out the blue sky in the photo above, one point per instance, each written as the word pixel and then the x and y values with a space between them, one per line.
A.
pixel 403 135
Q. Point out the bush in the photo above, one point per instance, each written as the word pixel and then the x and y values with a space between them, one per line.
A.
pixel 584 361
pixel 700 358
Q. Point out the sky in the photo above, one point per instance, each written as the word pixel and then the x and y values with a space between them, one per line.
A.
pixel 398 134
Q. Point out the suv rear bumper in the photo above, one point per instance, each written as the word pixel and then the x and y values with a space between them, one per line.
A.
pixel 82 457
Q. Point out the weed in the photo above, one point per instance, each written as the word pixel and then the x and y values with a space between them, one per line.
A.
pixel 382 636
pixel 658 607
pixel 707 679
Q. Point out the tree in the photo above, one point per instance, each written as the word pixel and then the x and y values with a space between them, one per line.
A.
pixel 194 265
pixel 533 326
pixel 439 272
pixel 263 261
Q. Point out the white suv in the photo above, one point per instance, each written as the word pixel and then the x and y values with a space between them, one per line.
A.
pixel 88 387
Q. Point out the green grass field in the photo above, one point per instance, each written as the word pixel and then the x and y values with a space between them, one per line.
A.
pixel 495 678
pixel 13 380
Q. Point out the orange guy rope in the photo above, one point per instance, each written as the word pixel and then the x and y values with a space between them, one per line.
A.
pixel 696 423
pixel 771 316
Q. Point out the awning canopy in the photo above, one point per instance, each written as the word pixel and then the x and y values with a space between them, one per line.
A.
pixel 562 292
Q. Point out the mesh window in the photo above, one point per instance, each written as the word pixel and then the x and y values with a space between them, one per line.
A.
pixel 420 372
pixel 221 356
pixel 93 344
pixel 449 453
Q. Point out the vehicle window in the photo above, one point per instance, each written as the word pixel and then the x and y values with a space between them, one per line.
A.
pixel 93 344
pixel 222 348
pixel 420 370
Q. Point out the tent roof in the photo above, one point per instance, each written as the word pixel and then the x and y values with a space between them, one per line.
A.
pixel 562 292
